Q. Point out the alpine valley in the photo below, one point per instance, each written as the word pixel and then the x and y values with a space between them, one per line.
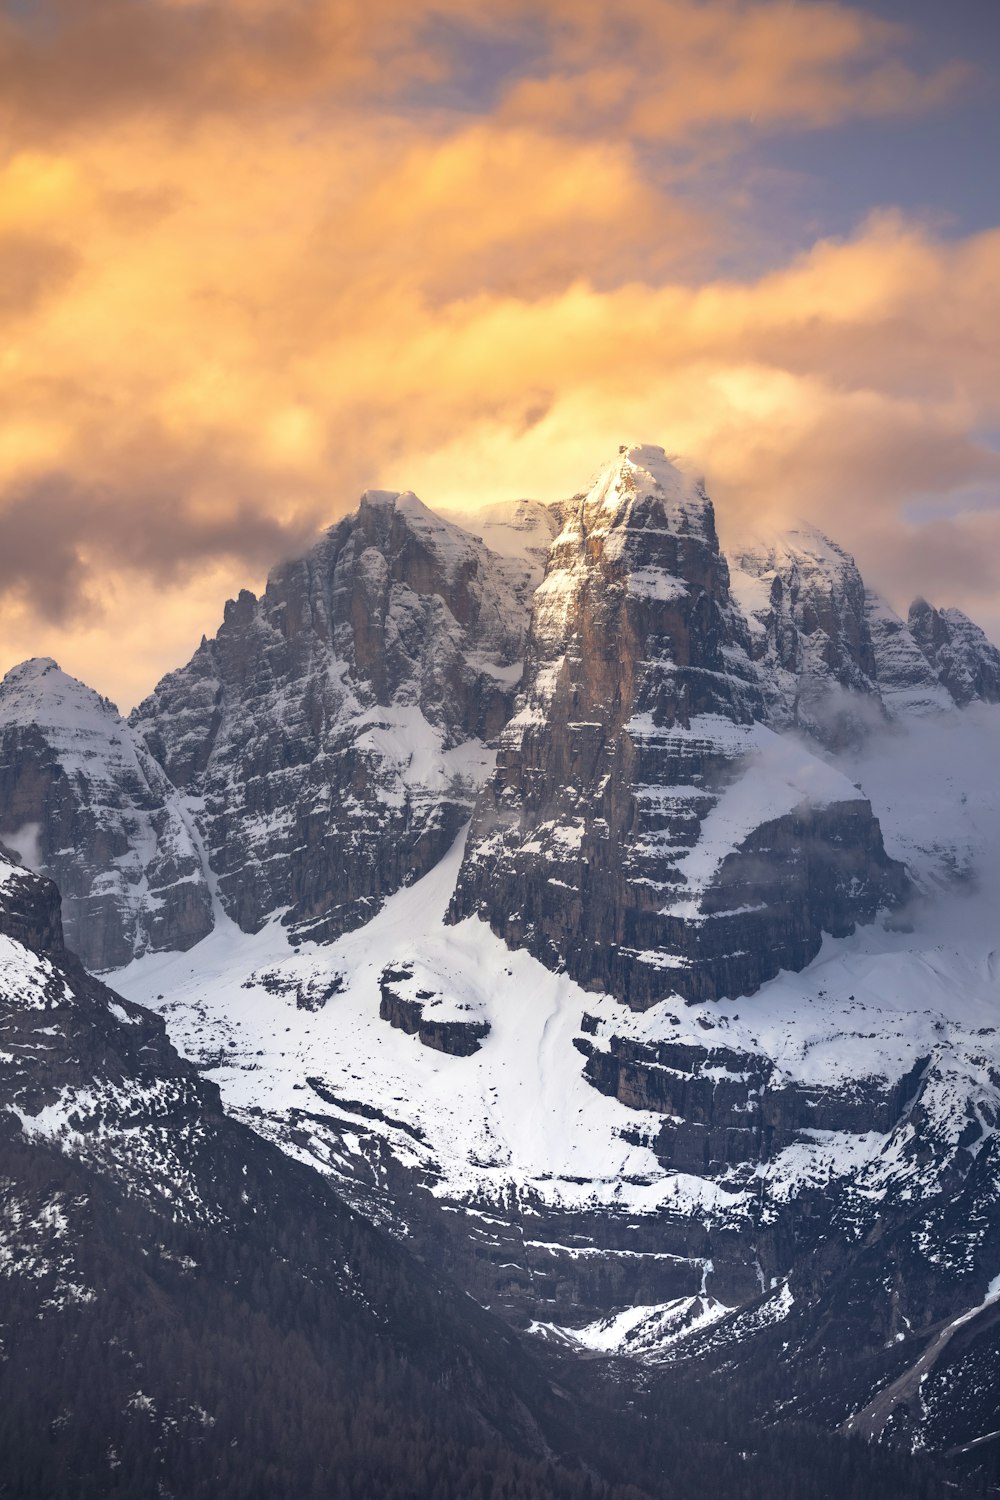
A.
pixel 523 1020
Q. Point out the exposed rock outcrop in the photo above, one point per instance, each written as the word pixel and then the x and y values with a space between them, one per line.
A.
pixel 641 830
pixel 30 910
pixel 409 1008
pixel 724 1107
pixel 804 600
pixel 83 802
pixel 907 680
pixel 966 661
pixel 336 729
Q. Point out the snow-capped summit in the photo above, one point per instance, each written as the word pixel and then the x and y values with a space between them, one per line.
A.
pixel 641 830
pixel 638 472
pixel 84 802
pixel 40 687
pixel 835 659
pixel 683 1175
pixel 908 680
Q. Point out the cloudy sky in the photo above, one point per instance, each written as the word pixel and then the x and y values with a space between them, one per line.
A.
pixel 256 255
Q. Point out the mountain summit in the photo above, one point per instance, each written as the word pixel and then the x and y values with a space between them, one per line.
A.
pixel 611 921
pixel 644 829
pixel 83 802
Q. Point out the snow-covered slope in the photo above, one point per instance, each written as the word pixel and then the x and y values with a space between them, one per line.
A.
pixel 688 1160
pixel 519 531
pixel 84 802
pixel 184 1310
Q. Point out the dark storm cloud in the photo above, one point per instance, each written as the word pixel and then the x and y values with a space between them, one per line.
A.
pixel 60 538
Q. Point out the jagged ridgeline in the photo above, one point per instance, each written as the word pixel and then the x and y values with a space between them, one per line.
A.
pixel 84 802
pixel 333 736
pixel 642 826
pixel 659 752
pixel 644 829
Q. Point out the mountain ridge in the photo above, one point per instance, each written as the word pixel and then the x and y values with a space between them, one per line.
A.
pixel 797 1099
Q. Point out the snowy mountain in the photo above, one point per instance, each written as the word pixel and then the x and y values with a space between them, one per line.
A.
pixel 835 659
pixel 804 600
pixel 644 830
pixel 691 1185
pixel 967 663
pixel 333 735
pixel 611 923
pixel 908 681
pixel 188 1312
pixel 83 802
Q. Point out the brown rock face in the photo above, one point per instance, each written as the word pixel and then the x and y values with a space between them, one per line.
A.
pixel 335 729
pixel 640 830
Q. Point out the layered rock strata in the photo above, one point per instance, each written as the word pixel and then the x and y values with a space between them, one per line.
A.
pixel 641 830
pixel 724 1107
pixel 408 1007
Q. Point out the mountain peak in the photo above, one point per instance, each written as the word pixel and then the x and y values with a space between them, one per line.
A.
pixel 965 659
pixel 85 803
pixel 643 469
pixel 39 691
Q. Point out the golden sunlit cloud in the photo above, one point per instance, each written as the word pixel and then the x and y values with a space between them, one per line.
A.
pixel 255 257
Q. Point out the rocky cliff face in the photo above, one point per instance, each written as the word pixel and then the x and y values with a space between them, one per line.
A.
pixel 966 661
pixel 641 830
pixel 335 731
pixel 835 660
pixel 804 601
pixel 85 803
pixel 908 681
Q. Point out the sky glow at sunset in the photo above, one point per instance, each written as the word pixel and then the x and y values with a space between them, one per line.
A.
pixel 257 255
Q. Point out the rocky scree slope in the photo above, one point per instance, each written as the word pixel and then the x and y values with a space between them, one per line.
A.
pixel 333 735
pixel 83 802
pixel 643 830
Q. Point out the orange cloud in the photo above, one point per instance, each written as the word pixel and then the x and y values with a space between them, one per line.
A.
pixel 245 273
